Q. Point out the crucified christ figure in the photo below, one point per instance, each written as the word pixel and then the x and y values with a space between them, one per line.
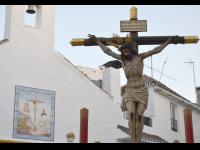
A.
pixel 135 95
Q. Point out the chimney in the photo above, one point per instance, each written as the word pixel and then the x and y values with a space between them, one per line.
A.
pixel 198 95
pixel 111 83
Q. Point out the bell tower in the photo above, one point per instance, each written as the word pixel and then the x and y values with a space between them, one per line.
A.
pixel 15 27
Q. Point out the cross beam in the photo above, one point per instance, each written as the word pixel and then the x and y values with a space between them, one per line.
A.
pixel 142 40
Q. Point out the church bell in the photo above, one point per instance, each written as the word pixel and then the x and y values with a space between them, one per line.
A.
pixel 30 9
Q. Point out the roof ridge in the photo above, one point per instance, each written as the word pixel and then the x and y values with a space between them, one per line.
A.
pixel 77 69
pixel 162 85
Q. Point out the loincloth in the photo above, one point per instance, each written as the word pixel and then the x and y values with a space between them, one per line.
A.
pixel 139 95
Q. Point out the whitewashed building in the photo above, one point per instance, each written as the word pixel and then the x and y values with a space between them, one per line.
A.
pixel 36 81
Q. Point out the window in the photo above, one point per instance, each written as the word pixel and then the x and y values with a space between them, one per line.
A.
pixel 173 113
pixel 147 121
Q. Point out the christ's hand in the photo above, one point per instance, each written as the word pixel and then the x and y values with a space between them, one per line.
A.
pixel 105 49
pixel 93 37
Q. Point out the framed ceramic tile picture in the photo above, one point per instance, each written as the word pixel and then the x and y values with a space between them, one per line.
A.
pixel 34 114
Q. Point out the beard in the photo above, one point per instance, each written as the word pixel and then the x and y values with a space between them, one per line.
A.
pixel 127 57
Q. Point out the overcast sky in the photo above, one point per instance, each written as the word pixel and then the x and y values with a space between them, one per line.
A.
pixel 73 21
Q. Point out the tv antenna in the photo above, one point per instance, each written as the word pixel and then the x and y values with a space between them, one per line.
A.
pixel 163 74
pixel 163 68
pixel 190 62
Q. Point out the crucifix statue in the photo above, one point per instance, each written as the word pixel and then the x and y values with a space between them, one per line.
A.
pixel 135 97
pixel 134 93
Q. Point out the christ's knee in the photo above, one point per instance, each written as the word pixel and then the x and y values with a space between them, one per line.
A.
pixel 131 115
pixel 139 117
pixel 140 111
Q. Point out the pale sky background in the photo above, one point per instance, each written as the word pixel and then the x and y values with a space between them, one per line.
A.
pixel 74 21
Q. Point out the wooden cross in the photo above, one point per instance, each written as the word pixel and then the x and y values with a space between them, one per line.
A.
pixel 134 26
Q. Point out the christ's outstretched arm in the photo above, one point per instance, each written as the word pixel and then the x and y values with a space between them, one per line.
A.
pixel 105 49
pixel 156 50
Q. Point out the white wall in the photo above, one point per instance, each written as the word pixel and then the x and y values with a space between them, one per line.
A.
pixel 110 79
pixel 29 60
pixel 150 111
pixel 161 119
pixel 111 83
pixel 196 127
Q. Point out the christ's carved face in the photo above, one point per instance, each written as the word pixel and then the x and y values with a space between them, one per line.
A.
pixel 126 54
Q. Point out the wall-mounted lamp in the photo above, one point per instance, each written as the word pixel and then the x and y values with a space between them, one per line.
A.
pixel 70 137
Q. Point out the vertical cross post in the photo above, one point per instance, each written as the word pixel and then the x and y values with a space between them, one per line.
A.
pixel 188 125
pixel 84 125
pixel 134 35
